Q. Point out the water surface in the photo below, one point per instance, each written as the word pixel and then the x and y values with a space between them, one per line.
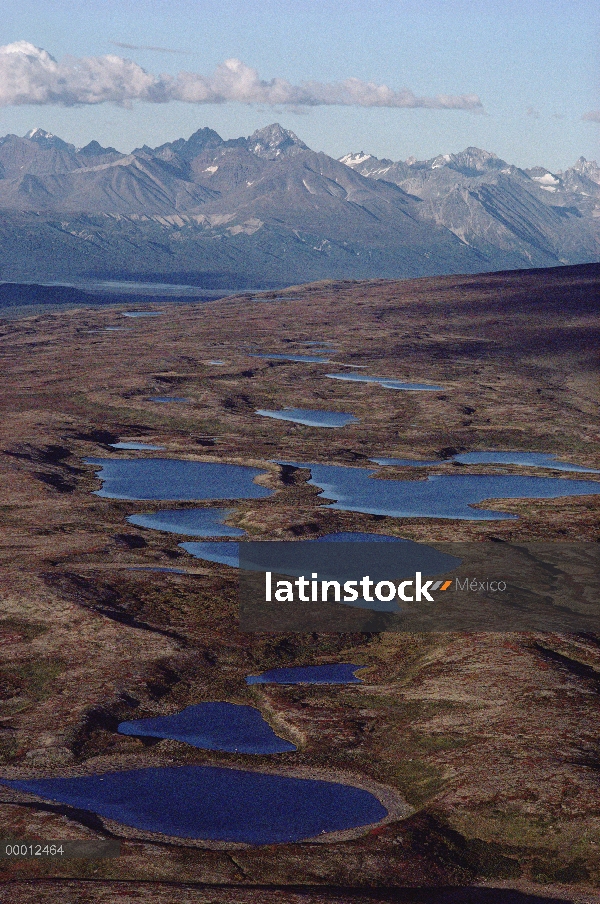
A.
pixel 310 417
pixel 531 459
pixel 222 552
pixel 314 359
pixel 137 447
pixel 213 803
pixel 439 496
pixel 168 398
pixel 387 382
pixel 191 522
pixel 178 480
pixel 142 313
pixel 336 673
pixel 213 726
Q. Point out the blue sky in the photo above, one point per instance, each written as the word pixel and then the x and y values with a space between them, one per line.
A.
pixel 533 65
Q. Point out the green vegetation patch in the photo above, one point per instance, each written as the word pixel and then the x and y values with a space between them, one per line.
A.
pixel 20 629
pixel 32 679
pixel 418 780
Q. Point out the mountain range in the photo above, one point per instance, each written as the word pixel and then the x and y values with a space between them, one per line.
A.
pixel 267 211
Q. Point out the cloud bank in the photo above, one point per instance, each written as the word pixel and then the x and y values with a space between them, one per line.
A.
pixel 29 75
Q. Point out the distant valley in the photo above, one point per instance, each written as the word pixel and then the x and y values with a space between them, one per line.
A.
pixel 267 211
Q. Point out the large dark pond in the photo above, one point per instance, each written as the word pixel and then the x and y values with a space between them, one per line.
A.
pixel 310 417
pixel 336 673
pixel 212 803
pixel 213 726
pixel 414 555
pixel 177 480
pixel 190 522
pixel 440 496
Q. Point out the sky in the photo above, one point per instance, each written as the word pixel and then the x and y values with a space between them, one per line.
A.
pixel 395 78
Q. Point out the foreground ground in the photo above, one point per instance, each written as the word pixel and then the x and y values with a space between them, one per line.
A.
pixel 491 739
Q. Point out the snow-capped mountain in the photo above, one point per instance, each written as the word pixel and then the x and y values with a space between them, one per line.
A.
pixel 267 208
pixel 497 208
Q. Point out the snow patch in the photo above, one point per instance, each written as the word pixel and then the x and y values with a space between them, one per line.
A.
pixel 355 159
pixel 546 179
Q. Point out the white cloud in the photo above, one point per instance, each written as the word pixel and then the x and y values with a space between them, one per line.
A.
pixel 29 75
pixel 592 116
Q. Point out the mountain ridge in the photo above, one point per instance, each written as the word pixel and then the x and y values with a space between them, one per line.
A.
pixel 269 207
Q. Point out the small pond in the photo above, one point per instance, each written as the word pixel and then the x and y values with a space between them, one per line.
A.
pixel 137 447
pixel 178 480
pixel 165 400
pixel 310 417
pixel 439 496
pixel 531 459
pixel 387 382
pixel 214 803
pixel 311 359
pixel 336 673
pixel 213 726
pixel 191 522
pixel 142 313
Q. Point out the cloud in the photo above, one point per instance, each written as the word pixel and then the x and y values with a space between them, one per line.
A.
pixel 29 75
pixel 592 116
pixel 149 47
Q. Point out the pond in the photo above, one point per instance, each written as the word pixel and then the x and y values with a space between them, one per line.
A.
pixel 222 552
pixel 137 447
pixel 335 673
pixel 387 382
pixel 142 313
pixel 191 522
pixel 439 496
pixel 531 459
pixel 214 803
pixel 312 359
pixel 167 399
pixel 213 726
pixel 310 417
pixel 173 479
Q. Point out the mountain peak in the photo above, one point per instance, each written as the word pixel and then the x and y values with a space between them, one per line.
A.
pixel 587 168
pixel 275 141
pixel 95 149
pixel 37 133
pixel 46 139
